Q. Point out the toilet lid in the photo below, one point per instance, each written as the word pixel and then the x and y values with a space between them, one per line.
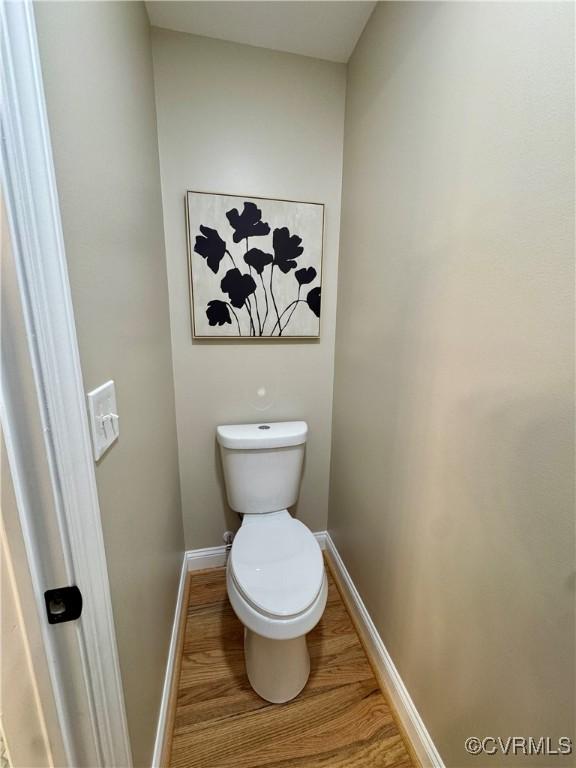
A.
pixel 277 564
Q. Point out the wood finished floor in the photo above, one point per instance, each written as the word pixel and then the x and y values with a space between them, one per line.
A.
pixel 340 720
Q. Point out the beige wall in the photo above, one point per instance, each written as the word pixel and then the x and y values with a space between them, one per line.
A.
pixel 452 464
pixel 97 66
pixel 243 120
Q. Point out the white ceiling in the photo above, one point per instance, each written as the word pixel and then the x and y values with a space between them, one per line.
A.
pixel 325 30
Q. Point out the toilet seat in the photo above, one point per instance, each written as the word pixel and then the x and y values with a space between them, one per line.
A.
pixel 276 565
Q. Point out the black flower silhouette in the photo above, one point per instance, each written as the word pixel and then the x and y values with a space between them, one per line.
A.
pixel 248 223
pixel 218 313
pixel 238 287
pixel 258 259
pixel 313 301
pixel 286 248
pixel 211 247
pixel 305 275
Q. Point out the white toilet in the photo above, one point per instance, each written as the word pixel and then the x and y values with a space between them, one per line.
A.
pixel 275 574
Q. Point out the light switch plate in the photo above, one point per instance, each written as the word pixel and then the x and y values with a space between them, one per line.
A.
pixel 103 417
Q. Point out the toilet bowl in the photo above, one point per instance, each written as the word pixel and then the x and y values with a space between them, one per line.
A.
pixel 275 574
pixel 278 589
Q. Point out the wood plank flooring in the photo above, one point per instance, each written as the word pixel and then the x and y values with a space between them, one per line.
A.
pixel 340 720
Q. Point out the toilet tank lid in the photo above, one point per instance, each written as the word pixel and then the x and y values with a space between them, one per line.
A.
pixel 263 435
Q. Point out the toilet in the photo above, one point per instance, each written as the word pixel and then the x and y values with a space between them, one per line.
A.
pixel 275 574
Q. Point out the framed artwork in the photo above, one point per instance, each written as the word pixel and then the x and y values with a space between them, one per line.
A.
pixel 255 266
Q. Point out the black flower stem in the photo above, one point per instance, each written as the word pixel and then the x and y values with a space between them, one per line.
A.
pixel 249 300
pixel 252 328
pixel 232 258
pixel 298 301
pixel 273 299
pixel 258 314
pixel 236 316
pixel 291 313
pixel 266 298
pixel 255 295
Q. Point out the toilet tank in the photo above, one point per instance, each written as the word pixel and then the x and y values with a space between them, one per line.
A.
pixel 262 464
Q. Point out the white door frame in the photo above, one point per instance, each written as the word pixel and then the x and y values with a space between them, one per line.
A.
pixel 29 188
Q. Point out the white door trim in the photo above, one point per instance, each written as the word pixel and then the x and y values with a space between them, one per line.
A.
pixel 36 232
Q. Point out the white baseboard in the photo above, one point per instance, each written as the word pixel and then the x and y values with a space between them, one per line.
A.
pixel 215 557
pixel 163 713
pixel 396 690
pixel 210 557
pixel 321 538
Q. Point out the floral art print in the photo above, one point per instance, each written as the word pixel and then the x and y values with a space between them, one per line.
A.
pixel 255 266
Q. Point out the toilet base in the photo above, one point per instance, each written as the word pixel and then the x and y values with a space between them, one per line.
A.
pixel 277 669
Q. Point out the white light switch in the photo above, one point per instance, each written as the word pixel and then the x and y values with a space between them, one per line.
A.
pixel 103 416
